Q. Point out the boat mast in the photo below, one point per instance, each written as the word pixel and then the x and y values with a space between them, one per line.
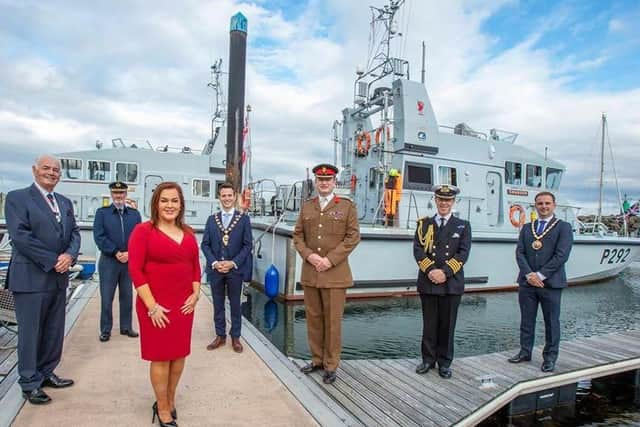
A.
pixel 218 117
pixel 604 124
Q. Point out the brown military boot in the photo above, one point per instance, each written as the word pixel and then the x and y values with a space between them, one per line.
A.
pixel 218 342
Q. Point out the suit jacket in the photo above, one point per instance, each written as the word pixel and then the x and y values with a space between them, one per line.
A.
pixel 37 239
pixel 110 235
pixel 238 249
pixel 333 233
pixel 548 260
pixel 446 249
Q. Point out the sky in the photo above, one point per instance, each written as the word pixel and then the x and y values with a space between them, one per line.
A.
pixel 72 73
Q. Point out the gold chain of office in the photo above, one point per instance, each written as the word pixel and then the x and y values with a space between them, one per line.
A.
pixel 537 243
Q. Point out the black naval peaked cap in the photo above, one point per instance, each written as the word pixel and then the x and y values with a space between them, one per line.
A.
pixel 325 169
pixel 118 186
pixel 446 191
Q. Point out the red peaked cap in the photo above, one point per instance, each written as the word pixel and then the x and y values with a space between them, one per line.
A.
pixel 325 169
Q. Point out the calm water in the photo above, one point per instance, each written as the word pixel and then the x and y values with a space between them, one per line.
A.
pixel 487 322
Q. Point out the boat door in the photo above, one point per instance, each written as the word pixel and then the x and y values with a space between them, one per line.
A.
pixel 150 184
pixel 494 192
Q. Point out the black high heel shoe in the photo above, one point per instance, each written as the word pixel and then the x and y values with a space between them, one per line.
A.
pixel 154 410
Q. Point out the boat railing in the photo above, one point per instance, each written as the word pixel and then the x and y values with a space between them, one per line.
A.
pixel 593 228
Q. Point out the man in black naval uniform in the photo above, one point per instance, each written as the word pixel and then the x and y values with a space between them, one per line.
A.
pixel 112 227
pixel 543 249
pixel 441 246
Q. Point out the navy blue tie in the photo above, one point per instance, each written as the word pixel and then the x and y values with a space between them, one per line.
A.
pixel 541 224
pixel 50 198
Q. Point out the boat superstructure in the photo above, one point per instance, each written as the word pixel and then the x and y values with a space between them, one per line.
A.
pixel 392 151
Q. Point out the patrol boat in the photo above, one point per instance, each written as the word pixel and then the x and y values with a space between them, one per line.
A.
pixel 392 151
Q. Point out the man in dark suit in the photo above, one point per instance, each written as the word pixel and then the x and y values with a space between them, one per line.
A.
pixel 45 242
pixel 112 227
pixel 441 246
pixel 543 249
pixel 227 243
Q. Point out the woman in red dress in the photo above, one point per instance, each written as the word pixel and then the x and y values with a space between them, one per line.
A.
pixel 164 265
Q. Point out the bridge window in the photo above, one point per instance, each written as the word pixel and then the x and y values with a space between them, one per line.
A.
pixel 534 176
pixel 99 171
pixel 553 178
pixel 418 176
pixel 201 188
pixel 127 172
pixel 513 173
pixel 447 175
pixel 71 169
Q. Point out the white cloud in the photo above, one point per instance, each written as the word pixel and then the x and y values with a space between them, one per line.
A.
pixel 121 69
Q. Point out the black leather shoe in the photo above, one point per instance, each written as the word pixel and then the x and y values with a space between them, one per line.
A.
pixel 423 368
pixel 129 332
pixel 36 396
pixel 445 372
pixel 55 381
pixel 310 367
pixel 329 377
pixel 548 366
pixel 520 357
pixel 105 337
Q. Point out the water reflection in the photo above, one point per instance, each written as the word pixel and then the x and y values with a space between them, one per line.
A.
pixel 391 328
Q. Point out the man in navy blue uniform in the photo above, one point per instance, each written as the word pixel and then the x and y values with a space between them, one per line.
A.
pixel 227 243
pixel 543 249
pixel 112 227
pixel 45 242
pixel 441 247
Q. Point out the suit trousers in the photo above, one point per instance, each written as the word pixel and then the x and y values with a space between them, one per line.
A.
pixel 114 274
pixel 439 315
pixel 231 285
pixel 323 311
pixel 549 300
pixel 40 317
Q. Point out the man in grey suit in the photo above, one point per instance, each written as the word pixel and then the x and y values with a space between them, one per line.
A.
pixel 543 249
pixel 45 242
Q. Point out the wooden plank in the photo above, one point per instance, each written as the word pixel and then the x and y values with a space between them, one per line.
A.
pixel 370 393
pixel 429 388
pixel 606 356
pixel 349 400
pixel 578 358
pixel 619 344
pixel 357 404
pixel 421 397
pixel 9 363
pixel 8 381
pixel 460 386
pixel 394 393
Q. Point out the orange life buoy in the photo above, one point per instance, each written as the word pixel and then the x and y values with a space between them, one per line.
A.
pixel 517 222
pixel 245 199
pixel 363 141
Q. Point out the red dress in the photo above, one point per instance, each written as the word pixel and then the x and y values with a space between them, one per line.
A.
pixel 169 268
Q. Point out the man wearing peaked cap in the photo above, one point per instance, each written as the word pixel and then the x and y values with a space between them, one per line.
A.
pixel 447 192
pixel 441 246
pixel 118 187
pixel 112 227
pixel 325 169
pixel 326 232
